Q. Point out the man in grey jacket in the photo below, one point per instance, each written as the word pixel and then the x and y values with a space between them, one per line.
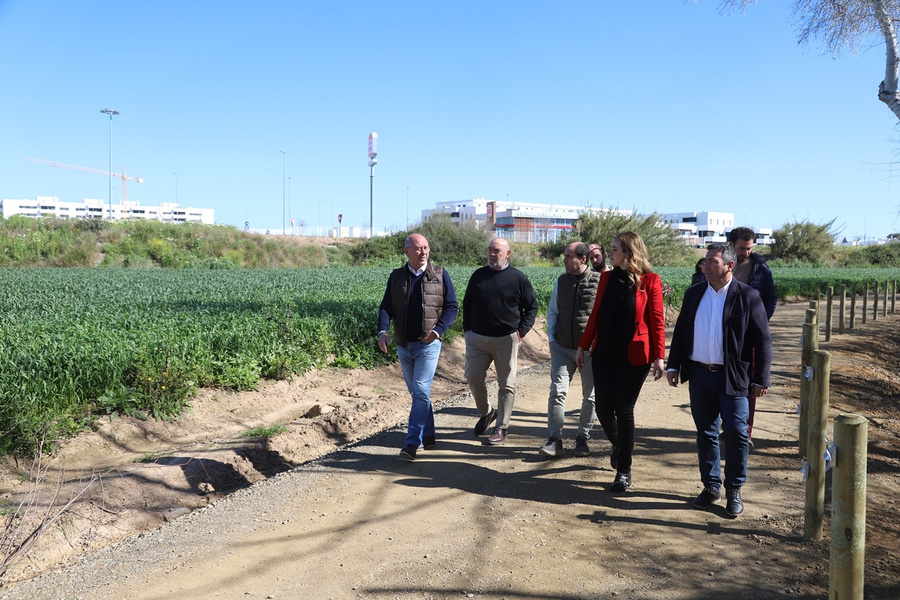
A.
pixel 568 313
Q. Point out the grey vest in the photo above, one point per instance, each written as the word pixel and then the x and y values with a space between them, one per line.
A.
pixel 575 296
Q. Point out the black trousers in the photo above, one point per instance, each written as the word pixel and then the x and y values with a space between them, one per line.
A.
pixel 617 385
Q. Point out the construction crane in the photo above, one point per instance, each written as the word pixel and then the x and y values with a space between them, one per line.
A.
pixel 123 176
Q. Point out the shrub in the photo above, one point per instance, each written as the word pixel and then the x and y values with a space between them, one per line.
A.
pixel 802 241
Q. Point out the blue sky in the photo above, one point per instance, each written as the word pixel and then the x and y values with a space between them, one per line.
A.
pixel 656 106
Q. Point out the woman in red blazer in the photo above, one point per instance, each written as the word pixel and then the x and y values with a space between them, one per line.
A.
pixel 626 335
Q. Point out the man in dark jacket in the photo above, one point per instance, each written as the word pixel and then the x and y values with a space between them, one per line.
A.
pixel 499 308
pixel 751 268
pixel 722 327
pixel 422 303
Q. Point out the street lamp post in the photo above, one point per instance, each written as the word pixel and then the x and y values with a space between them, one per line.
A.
pixel 283 195
pixel 110 112
pixel 373 152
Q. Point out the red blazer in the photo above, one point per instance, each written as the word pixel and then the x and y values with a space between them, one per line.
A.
pixel 649 341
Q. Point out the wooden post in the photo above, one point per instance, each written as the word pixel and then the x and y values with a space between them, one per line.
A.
pixel 814 515
pixel 894 296
pixel 842 305
pixel 875 301
pixel 828 303
pixel 848 509
pixel 852 305
pixel 884 304
pixel 810 343
pixel 865 306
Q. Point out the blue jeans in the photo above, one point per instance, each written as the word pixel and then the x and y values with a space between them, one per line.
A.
pixel 418 362
pixel 710 406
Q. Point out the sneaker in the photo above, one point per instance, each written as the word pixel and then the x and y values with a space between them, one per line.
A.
pixel 484 421
pixel 621 483
pixel 709 496
pixel 408 452
pixel 581 446
pixel 553 448
pixel 733 505
pixel 614 458
pixel 498 437
pixel 428 441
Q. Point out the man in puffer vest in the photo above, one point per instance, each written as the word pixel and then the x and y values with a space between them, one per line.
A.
pixel 568 313
pixel 420 299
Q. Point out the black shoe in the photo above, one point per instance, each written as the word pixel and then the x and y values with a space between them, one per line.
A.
pixel 408 452
pixel 553 448
pixel 482 424
pixel 709 496
pixel 733 505
pixel 621 483
pixel 581 446
pixel 428 441
pixel 614 458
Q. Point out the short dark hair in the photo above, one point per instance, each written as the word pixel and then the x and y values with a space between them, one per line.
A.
pixel 582 250
pixel 741 233
pixel 727 250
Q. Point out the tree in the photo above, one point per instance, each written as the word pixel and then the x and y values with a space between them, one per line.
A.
pixel 802 241
pixel 848 24
pixel 602 226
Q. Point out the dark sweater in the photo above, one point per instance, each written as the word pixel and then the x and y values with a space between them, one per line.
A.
pixel 498 303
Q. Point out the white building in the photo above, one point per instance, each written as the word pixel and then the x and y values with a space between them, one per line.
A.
pixel 89 208
pixel 516 221
pixel 702 228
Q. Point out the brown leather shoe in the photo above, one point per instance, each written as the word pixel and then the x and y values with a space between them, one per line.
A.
pixel 497 438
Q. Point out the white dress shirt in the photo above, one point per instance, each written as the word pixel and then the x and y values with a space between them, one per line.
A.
pixel 709 345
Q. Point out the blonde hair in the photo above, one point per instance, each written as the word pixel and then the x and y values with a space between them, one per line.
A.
pixel 636 262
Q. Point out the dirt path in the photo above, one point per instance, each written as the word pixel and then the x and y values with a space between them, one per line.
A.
pixel 467 520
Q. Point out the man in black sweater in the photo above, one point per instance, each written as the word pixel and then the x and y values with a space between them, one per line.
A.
pixel 499 308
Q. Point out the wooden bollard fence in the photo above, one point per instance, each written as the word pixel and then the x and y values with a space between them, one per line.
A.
pixel 852 305
pixel 841 304
pixel 829 296
pixel 865 306
pixel 875 301
pixel 894 296
pixel 814 514
pixel 810 343
pixel 884 304
pixel 848 509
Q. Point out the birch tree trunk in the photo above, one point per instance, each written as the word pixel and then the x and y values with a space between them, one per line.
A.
pixel 887 90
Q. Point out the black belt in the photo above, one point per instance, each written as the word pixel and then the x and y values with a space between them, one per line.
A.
pixel 710 368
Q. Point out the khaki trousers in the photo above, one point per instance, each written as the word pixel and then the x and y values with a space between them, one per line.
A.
pixel 481 351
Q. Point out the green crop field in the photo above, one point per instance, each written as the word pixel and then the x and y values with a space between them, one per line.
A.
pixel 75 343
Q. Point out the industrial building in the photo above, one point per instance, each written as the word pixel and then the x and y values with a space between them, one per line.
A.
pixel 516 221
pixel 50 206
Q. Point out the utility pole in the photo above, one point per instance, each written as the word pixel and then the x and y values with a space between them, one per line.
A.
pixel 110 112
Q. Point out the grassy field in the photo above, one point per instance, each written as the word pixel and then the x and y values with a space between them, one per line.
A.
pixel 76 343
